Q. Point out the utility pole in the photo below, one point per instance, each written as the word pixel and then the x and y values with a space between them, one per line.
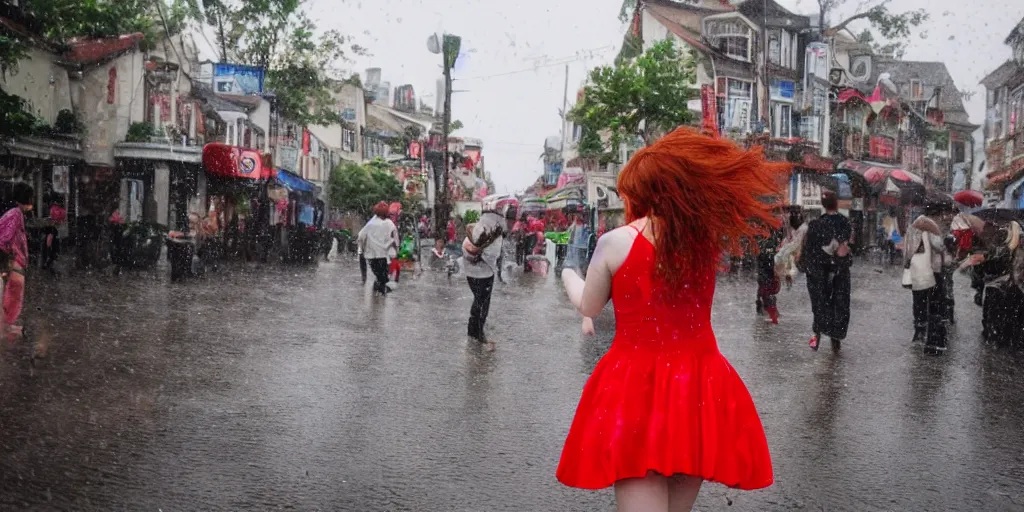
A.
pixel 442 201
pixel 565 115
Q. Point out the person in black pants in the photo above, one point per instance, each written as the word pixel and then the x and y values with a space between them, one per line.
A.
pixel 362 266
pixel 482 251
pixel 826 258
pixel 379 266
pixel 378 241
pixel 481 288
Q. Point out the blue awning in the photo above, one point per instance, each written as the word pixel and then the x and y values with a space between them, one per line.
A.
pixel 294 183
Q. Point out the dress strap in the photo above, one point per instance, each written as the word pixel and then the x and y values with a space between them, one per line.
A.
pixel 640 231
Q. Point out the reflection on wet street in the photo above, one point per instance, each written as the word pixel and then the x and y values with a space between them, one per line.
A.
pixel 293 388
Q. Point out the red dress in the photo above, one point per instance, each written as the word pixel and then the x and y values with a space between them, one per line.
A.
pixel 663 398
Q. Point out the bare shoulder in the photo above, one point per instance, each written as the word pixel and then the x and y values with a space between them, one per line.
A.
pixel 614 246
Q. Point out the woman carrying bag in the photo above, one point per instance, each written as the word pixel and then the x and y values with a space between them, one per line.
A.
pixel 924 258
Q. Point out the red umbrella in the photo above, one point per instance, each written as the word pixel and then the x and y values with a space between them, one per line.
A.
pixel 969 198
pixel 904 176
pixel 875 175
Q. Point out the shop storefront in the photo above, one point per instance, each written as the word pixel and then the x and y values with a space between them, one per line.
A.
pixel 235 206
pixel 884 193
pixel 50 165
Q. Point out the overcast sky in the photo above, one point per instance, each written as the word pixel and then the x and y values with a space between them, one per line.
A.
pixel 513 74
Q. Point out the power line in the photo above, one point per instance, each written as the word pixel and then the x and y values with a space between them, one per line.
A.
pixel 560 62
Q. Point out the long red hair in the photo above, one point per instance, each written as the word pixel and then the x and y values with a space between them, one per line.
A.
pixel 704 196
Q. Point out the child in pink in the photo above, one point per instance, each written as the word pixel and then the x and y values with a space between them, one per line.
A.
pixel 14 242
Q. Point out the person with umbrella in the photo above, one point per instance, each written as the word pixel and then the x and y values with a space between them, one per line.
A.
pixel 925 262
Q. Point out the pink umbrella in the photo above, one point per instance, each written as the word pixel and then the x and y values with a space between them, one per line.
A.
pixel 904 176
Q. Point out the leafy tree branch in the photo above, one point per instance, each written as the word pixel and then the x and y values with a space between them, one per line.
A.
pixel 643 98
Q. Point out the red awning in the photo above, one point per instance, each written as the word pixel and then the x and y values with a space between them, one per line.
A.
pixel 84 50
pixel 816 162
pixel 235 162
pixel 849 94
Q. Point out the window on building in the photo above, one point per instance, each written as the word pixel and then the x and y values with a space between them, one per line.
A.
pixel 916 90
pixel 959 152
pixel 740 89
pixel 231 135
pixel 737 47
pixel 787 50
pixel 348 140
pixel 855 118
pixel 794 43
pixel 913 157
pixel 783 121
pixel 775 50
pixel 809 128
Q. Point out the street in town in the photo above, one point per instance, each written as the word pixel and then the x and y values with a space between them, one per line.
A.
pixel 292 388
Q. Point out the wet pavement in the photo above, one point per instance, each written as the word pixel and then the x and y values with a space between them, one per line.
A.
pixel 292 388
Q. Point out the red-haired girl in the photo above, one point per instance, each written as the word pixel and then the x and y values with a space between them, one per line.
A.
pixel 663 410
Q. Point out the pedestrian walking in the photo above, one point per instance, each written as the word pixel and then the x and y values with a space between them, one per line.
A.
pixel 378 240
pixel 826 260
pixel 768 282
pixel 664 410
pixel 924 262
pixel 14 246
pixel 481 250
pixel 789 253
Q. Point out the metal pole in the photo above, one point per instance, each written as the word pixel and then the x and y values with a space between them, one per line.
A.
pixel 443 201
pixel 565 115
pixel 767 83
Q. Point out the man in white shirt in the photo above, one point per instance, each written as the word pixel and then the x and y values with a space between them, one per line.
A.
pixel 378 241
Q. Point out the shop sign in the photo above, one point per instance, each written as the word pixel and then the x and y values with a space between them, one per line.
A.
pixel 237 79
pixel 248 164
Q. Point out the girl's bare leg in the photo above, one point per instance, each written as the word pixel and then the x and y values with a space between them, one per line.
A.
pixel 648 494
pixel 682 492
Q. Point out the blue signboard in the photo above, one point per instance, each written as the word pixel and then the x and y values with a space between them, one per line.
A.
pixel 294 183
pixel 844 191
pixel 783 89
pixel 238 79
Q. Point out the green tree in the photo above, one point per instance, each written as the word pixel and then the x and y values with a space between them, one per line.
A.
pixel 356 188
pixel 644 98
pixel 895 49
pixel 300 61
pixel 57 21
pixel 893 27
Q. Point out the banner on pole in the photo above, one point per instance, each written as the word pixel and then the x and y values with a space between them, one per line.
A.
pixel 709 109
